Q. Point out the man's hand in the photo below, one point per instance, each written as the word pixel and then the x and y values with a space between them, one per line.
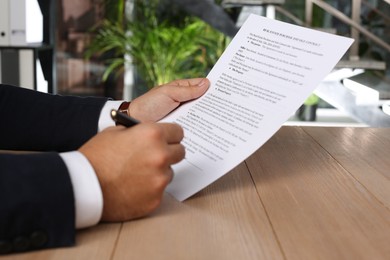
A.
pixel 161 100
pixel 133 166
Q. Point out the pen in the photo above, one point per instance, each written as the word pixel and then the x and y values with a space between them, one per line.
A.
pixel 123 119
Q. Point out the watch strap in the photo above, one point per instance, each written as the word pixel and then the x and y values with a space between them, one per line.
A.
pixel 124 108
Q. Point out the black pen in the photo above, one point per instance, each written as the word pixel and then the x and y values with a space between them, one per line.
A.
pixel 123 119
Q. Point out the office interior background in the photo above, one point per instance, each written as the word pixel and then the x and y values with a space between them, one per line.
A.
pixel 107 47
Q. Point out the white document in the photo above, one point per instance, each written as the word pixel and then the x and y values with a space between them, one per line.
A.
pixel 262 78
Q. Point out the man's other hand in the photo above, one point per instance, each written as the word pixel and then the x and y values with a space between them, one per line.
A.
pixel 133 166
pixel 161 100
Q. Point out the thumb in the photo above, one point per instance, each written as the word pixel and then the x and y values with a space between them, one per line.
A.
pixel 188 89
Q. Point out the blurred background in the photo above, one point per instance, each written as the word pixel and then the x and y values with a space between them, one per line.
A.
pixel 122 48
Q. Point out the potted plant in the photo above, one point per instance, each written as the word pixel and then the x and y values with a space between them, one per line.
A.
pixel 161 48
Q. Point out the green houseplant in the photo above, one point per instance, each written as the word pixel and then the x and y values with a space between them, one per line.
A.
pixel 163 48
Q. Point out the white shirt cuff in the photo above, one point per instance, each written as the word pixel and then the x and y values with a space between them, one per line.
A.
pixel 105 119
pixel 87 192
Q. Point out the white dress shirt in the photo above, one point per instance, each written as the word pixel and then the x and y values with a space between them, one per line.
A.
pixel 87 191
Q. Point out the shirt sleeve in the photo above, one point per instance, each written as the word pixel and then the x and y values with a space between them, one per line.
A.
pixel 86 188
pixel 105 119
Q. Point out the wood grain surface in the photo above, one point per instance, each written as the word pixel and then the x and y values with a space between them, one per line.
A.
pixel 308 193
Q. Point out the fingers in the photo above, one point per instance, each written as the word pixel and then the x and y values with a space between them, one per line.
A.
pixel 190 82
pixel 187 89
pixel 170 174
pixel 165 137
pixel 176 153
pixel 173 133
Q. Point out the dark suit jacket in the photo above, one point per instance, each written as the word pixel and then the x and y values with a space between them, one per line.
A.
pixel 36 195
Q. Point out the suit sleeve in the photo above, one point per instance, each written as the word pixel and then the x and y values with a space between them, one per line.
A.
pixel 37 203
pixel 37 207
pixel 36 121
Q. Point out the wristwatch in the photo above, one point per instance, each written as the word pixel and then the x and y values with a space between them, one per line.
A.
pixel 124 108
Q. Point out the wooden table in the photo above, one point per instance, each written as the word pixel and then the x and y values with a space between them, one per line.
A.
pixel 308 193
